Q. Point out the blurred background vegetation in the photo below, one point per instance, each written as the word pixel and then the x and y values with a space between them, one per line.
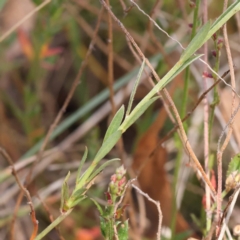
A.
pixel 40 61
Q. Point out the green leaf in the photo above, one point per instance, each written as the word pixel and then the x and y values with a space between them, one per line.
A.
pixel 98 206
pixel 100 168
pixel 65 193
pixel 223 18
pixel 115 123
pixel 136 113
pixel 135 88
pixel 182 67
pixel 196 42
pixel 78 193
pixel 123 231
pixel 81 164
pixel 103 226
pixel 234 165
pixel 76 201
pixel 107 146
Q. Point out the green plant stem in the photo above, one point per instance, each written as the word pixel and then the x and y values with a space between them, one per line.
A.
pixel 211 115
pixel 215 93
pixel 182 114
pixel 187 72
pixel 53 225
pixel 175 180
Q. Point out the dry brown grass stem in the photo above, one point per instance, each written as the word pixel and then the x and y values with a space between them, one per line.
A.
pixel 206 119
pixel 110 62
pixel 26 193
pixel 14 216
pixel 230 129
pixel 187 144
pixel 160 216
pixel 183 134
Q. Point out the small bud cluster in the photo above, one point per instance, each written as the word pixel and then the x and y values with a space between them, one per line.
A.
pixel 118 182
pixel 218 45
pixel 116 186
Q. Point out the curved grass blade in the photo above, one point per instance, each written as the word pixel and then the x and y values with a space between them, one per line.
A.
pixel 136 113
pixel 81 164
pixel 107 146
pixel 64 193
pixel 115 123
pixel 135 88
pixel 196 42
pixel 104 165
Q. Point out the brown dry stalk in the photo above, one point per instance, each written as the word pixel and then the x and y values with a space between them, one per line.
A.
pixel 229 133
pixel 110 62
pixel 183 134
pixel 18 203
pixel 26 193
pixel 187 144
pixel 206 118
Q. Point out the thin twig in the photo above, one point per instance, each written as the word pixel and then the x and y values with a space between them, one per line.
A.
pixel 227 139
pixel 160 216
pixel 110 62
pixel 206 124
pixel 229 213
pixel 25 191
pixel 187 144
pixel 15 211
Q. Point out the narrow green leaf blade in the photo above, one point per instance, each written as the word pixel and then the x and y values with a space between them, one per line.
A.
pixel 223 18
pixel 135 88
pixel 136 113
pixel 107 146
pixel 65 193
pixel 81 164
pixel 104 165
pixel 123 231
pixel 196 42
pixel 115 123
pixel 98 206
pixel 181 68
pixel 234 165
pixel 76 201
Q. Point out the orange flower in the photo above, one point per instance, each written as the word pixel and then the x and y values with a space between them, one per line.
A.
pixel 28 49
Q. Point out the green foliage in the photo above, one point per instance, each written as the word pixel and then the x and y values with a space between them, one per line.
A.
pixel 135 88
pixel 234 165
pixel 196 42
pixel 81 164
pixel 115 123
pixel 65 193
